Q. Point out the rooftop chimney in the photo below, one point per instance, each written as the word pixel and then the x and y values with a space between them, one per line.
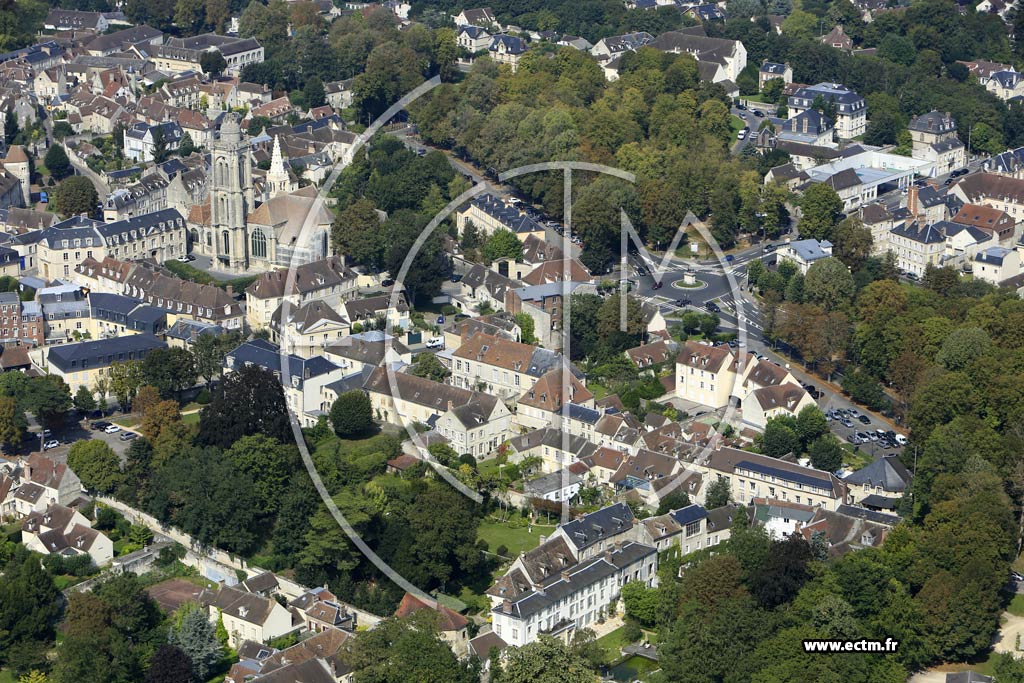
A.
pixel 912 200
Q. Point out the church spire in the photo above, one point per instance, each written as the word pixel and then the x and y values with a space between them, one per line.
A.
pixel 277 176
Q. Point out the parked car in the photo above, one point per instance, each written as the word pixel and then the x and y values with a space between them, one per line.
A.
pixel 52 443
pixel 846 422
pixel 456 277
pixel 99 425
pixel 901 440
pixel 440 320
pixel 864 419
pixel 44 197
pixel 729 258
pixel 758 113
pixel 435 343
pixel 683 302
pixel 128 436
pixel 713 307
pixel 853 438
pixel 769 248
pixel 111 429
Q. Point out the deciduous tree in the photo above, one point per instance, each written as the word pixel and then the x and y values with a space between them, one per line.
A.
pixel 352 414
pixel 96 465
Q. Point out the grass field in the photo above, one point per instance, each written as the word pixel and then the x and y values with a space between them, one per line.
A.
pixel 737 124
pixel 515 539
pixel 612 643
pixel 1016 606
pixel 191 418
pixel 7 676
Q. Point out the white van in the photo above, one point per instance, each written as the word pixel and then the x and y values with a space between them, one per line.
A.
pixel 435 343
pixel 901 440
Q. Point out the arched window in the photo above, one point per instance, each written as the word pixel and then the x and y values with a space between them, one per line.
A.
pixel 259 244
pixel 226 241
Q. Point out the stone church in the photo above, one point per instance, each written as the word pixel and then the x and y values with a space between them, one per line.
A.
pixel 248 229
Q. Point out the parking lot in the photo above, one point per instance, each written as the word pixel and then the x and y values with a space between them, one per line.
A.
pixel 80 431
pixel 858 429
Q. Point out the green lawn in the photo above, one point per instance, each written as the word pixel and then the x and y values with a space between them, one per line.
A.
pixel 1016 606
pixel 7 676
pixel 190 418
pixel 854 461
pixel 737 124
pixel 488 467
pixel 125 420
pixel 515 539
pixel 598 390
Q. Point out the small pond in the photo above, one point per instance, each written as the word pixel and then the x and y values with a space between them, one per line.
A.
pixel 633 668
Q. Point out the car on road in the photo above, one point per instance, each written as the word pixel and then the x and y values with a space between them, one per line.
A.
pixel 864 419
pixel 128 436
pixel 758 113
pixel 640 271
pixel 959 172
pixel 729 258
pixel 99 425
pixel 1016 576
pixel 111 429
pixel 185 258
pixel 713 307
pixel 52 443
pixel 742 135
pixel 769 248
pixel 683 302
pixel 657 285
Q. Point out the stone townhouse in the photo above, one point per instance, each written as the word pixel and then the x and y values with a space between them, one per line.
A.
pixel 471 421
pixel 62 530
pixel 503 368
pixel 751 475
pixel 705 374
pixel 38 484
pixel 556 448
pixel 917 245
pixel 159 236
pixel 329 281
pixel 934 138
pixel 553 400
pixel 371 349
pixel 764 403
pixel 490 213
pixel 850 108
pixel 572 579
pixel 80 364
pixel 307 330
pixel 998 191
pixel 246 616
pixel 729 55
pixel 691 528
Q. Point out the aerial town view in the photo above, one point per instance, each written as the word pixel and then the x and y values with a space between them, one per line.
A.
pixel 548 341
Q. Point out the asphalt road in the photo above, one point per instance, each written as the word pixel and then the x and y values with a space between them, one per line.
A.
pixel 752 122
